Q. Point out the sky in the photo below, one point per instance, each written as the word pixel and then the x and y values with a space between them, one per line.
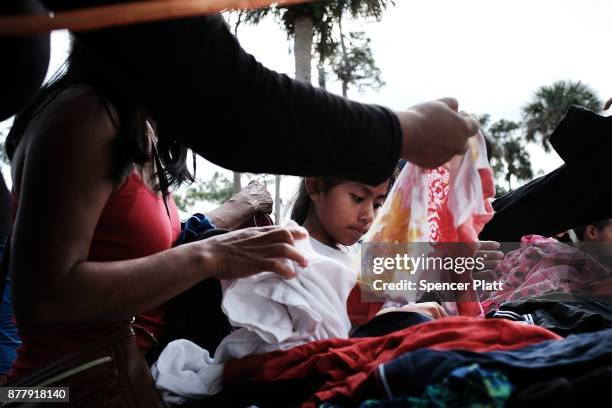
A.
pixel 489 54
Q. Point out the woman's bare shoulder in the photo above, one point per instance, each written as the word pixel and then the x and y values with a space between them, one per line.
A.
pixel 77 115
pixel 72 126
pixel 80 104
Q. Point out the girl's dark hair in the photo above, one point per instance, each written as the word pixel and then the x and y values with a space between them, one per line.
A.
pixel 302 203
pixel 599 225
pixel 131 143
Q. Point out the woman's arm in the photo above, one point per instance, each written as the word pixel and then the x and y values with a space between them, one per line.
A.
pixel 196 80
pixel 235 112
pixel 64 184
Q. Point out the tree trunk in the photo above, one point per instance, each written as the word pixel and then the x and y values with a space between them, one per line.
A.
pixel 303 60
pixel 303 48
pixel 322 75
pixel 238 22
pixel 344 56
pixel 237 182
pixel 277 200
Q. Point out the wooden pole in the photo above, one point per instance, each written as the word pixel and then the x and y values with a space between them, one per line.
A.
pixel 93 18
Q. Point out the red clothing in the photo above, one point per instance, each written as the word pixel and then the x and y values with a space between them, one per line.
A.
pixel 359 311
pixel 347 363
pixel 134 223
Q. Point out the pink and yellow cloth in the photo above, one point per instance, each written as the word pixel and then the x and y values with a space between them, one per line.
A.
pixel 446 204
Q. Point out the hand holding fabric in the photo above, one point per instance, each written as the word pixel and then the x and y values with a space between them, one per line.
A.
pixel 249 251
pixel 434 132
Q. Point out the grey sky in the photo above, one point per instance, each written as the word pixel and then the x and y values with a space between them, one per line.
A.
pixel 491 55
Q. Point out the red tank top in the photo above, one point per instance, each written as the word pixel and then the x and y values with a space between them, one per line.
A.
pixel 134 223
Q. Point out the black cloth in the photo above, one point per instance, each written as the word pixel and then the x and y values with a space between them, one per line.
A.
pixel 509 315
pixel 195 314
pixel 388 323
pixel 202 87
pixel 575 194
pixel 589 390
pixel 563 318
pixel 26 60
pixel 546 362
pixel 281 394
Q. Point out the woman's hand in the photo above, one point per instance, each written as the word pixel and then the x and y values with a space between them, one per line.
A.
pixel 249 251
pixel 428 309
pixel 434 132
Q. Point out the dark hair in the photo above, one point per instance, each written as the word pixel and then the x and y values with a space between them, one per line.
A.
pixel 131 144
pixel 599 225
pixel 301 207
pixel 302 203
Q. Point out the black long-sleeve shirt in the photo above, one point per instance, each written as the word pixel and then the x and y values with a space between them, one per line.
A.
pixel 194 78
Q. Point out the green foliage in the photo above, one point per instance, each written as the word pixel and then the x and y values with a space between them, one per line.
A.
pixel 509 157
pixel 483 120
pixel 550 103
pixel 216 190
pixel 356 66
pixel 3 158
pixel 325 15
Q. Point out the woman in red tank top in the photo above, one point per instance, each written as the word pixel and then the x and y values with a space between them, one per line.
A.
pixel 94 223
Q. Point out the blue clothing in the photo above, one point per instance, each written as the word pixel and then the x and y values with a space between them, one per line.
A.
pixel 388 323
pixel 9 338
pixel 193 228
pixel 573 357
pixel 465 387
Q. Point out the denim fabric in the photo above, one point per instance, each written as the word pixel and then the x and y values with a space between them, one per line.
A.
pixel 9 338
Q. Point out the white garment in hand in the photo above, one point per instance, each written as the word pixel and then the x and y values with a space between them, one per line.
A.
pixel 273 314
pixel 276 313
pixel 186 370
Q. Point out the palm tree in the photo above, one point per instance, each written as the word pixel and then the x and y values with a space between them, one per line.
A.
pixel 314 22
pixel 549 105
pixel 510 151
pixel 355 65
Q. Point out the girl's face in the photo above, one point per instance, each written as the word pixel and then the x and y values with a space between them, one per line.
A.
pixel 347 210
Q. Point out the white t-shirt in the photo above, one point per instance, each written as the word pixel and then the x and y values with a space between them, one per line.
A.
pixel 348 255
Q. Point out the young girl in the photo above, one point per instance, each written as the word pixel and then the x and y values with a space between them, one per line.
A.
pixel 337 213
